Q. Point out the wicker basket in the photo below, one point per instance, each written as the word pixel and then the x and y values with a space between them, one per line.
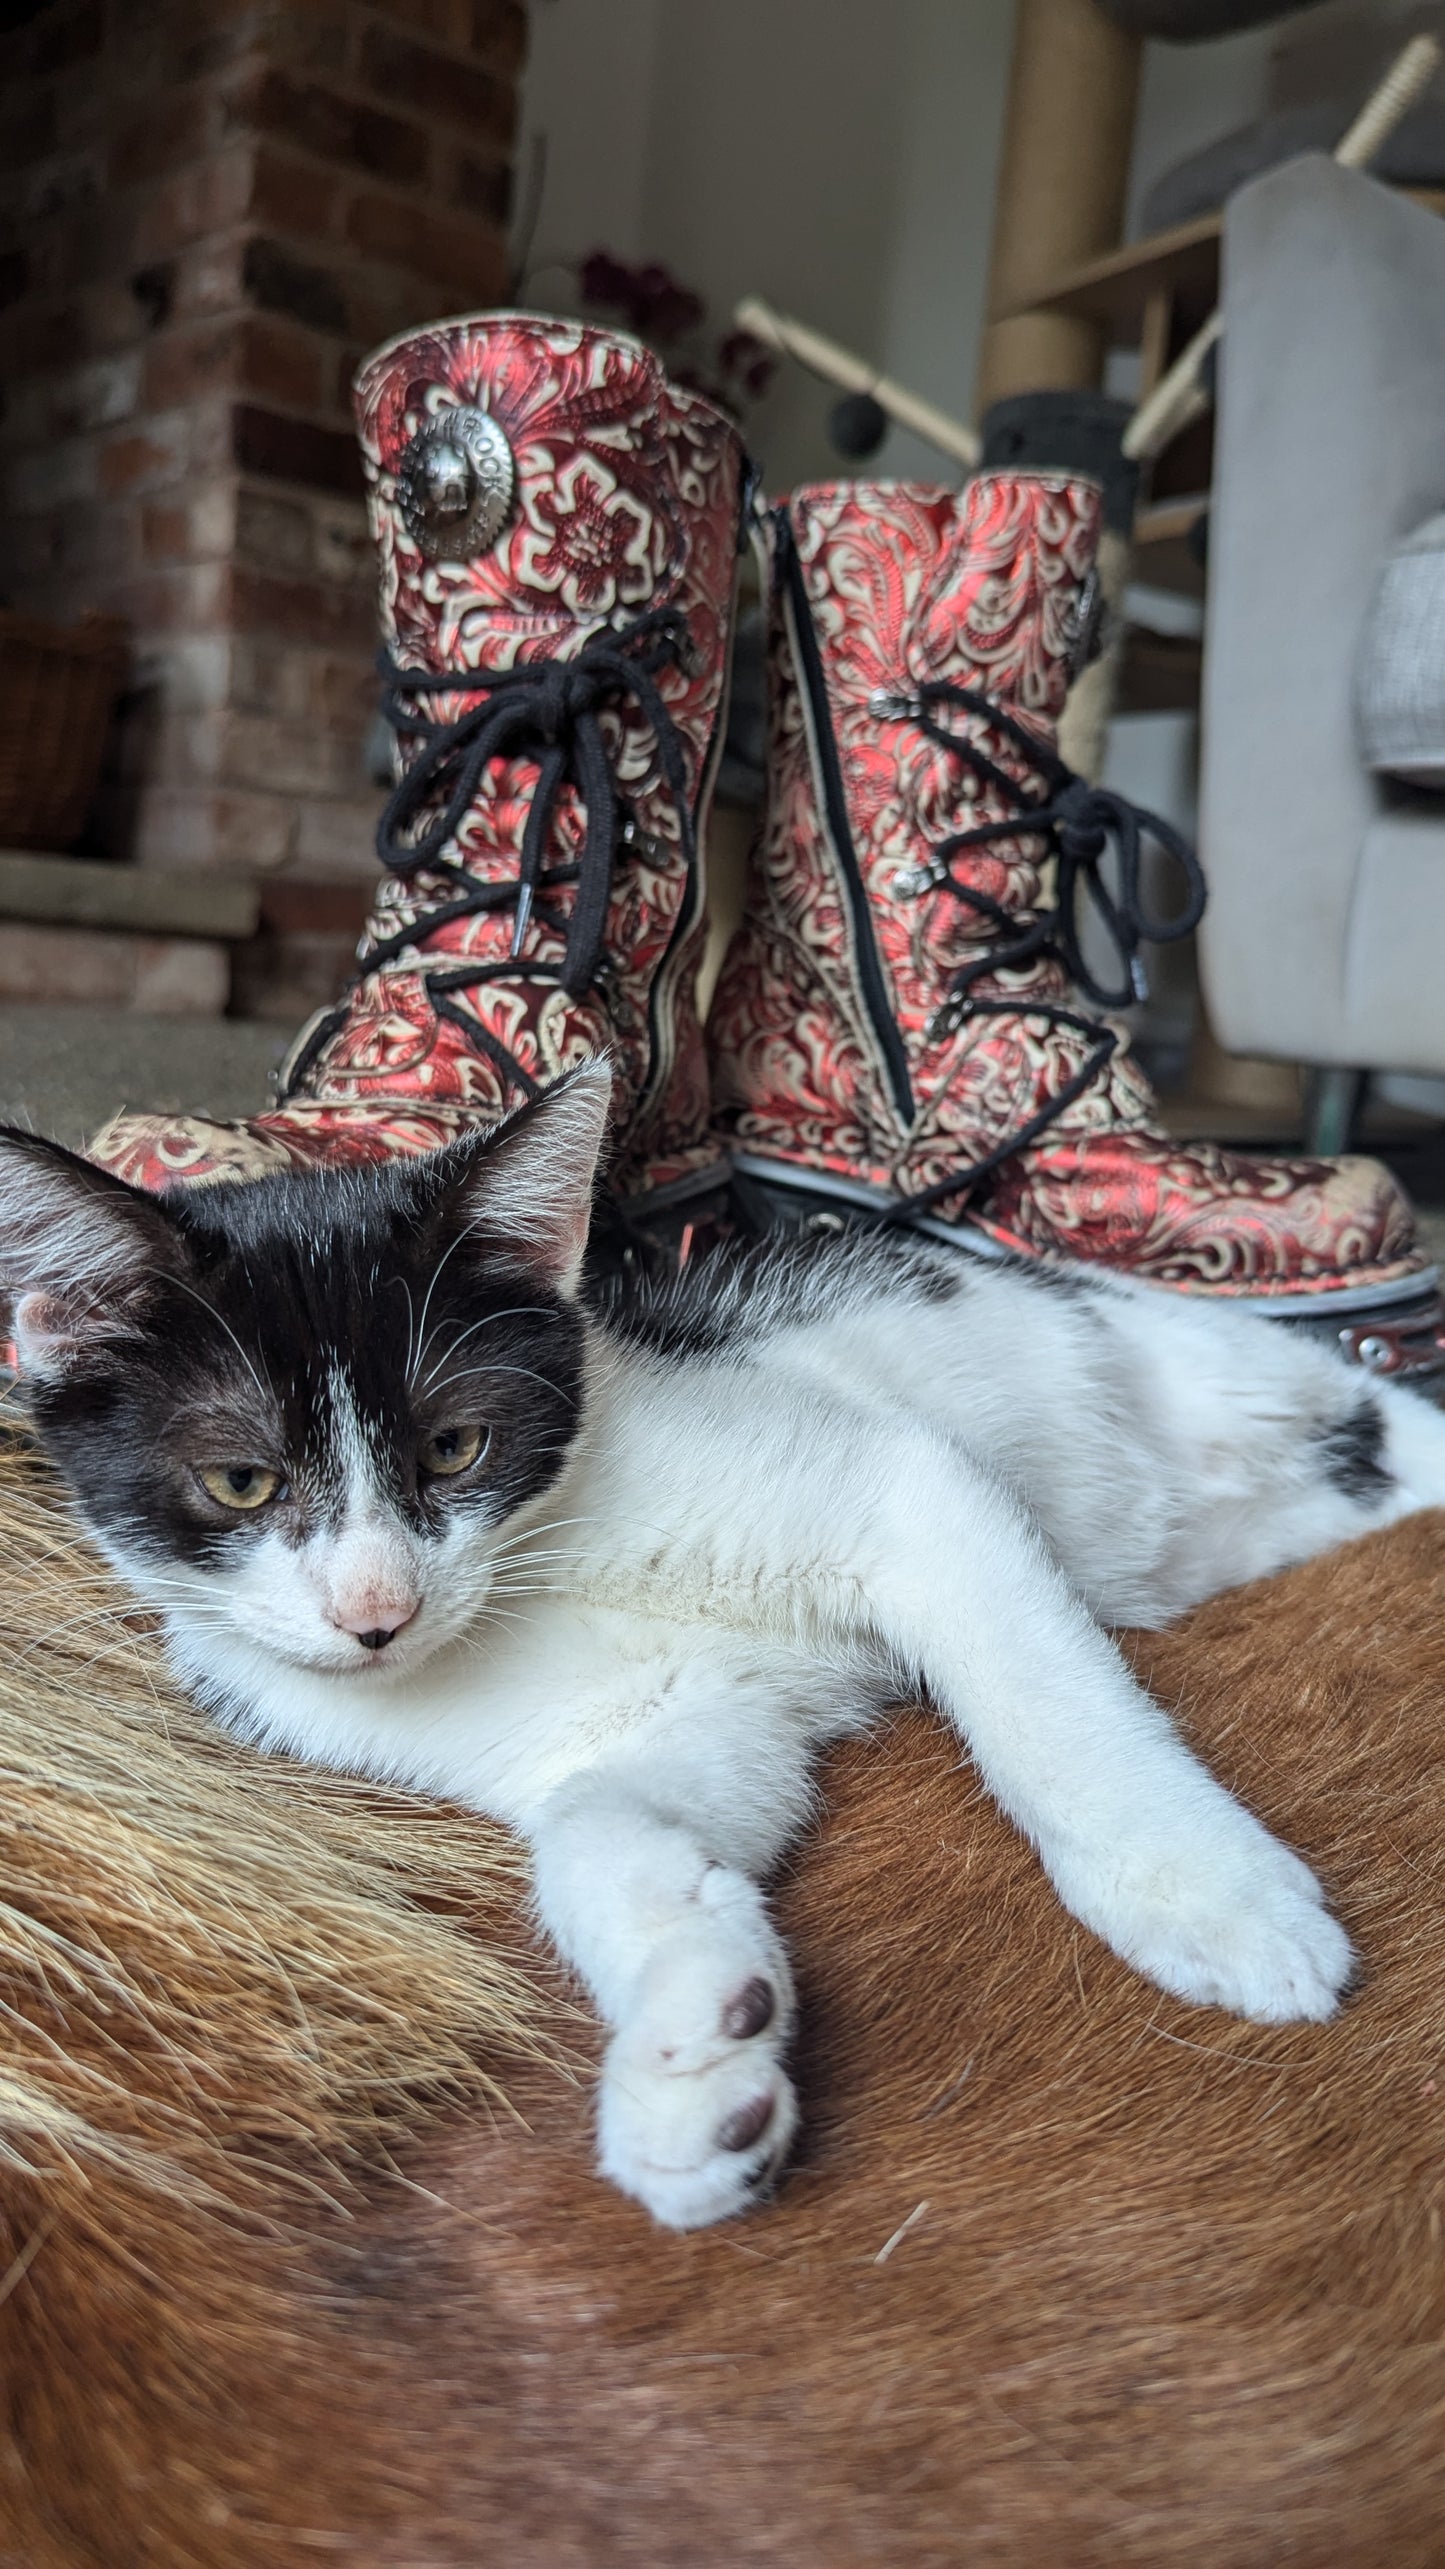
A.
pixel 58 684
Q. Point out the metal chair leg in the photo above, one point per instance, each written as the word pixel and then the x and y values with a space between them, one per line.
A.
pixel 1332 1104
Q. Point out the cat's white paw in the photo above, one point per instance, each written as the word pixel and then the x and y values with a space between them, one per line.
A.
pixel 1232 1920
pixel 695 2111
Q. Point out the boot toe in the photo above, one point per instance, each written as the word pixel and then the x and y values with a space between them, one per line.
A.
pixel 1205 1220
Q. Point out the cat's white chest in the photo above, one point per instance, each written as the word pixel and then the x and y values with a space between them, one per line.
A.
pixel 505 1716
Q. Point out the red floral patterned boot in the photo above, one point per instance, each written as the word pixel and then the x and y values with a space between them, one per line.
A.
pixel 903 1020
pixel 558 529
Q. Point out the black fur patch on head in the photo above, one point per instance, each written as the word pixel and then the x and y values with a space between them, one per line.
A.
pixel 1350 1453
pixel 302 1322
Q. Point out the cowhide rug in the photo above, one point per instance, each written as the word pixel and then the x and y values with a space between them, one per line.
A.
pixel 304 2260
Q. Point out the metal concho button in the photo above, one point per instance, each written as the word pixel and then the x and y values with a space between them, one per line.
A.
pixel 455 485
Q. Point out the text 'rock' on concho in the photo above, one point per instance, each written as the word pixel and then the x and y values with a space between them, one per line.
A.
pixel 455 485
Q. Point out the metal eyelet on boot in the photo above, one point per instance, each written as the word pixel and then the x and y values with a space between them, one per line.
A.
pixel 455 485
pixel 911 881
pixel 640 842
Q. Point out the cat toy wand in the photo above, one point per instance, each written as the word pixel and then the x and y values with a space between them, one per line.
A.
pixel 1178 397
pixel 808 347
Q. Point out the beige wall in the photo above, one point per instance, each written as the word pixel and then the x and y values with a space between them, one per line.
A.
pixel 836 155
pixel 587 92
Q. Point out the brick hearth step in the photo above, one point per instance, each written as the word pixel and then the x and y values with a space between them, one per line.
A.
pixel 120 936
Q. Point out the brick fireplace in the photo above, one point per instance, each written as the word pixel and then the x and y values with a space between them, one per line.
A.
pixel 211 212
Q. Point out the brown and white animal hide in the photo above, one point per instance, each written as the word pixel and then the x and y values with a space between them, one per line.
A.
pixel 1069 2272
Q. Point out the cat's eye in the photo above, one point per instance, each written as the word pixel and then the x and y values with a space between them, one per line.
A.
pixel 238 1485
pixel 451 1449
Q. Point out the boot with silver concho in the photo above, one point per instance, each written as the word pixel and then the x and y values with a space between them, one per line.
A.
pixel 558 530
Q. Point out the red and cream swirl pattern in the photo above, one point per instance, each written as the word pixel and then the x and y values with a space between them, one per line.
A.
pixel 628 494
pixel 907 584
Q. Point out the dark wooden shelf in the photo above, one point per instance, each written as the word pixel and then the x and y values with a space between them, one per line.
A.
pixel 1115 289
pixel 1183 263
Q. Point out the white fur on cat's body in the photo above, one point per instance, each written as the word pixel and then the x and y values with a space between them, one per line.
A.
pixel 750 1552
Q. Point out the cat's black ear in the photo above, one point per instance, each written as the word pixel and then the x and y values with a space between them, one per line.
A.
pixel 527 1189
pixel 78 1249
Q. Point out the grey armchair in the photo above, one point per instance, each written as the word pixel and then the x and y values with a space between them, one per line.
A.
pixel 1324 940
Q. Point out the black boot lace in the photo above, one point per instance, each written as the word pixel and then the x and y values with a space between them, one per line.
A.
pixel 1079 822
pixel 546 711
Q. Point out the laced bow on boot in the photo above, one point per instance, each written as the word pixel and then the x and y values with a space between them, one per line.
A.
pixel 1080 822
pixel 547 711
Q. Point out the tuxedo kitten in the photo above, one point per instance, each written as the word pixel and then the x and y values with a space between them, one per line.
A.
pixel 412 1501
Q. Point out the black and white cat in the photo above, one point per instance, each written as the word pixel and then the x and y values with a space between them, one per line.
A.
pixel 411 1503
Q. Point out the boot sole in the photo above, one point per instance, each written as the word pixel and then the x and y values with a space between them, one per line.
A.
pixel 1412 1303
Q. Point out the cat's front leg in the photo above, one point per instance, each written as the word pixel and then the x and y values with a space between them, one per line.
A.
pixel 695 2110
pixel 1139 1839
pixel 860 1525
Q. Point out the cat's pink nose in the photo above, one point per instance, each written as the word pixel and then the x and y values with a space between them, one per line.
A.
pixel 376 1620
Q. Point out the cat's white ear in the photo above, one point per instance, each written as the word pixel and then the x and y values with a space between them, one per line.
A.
pixel 529 1190
pixel 77 1249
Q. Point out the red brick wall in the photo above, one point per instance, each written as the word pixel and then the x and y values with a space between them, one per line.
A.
pixel 211 212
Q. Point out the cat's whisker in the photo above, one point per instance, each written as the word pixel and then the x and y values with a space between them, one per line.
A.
pixel 472 1637
pixel 68 1624
pixel 410 1322
pixel 147 1573
pixel 609 1526
pixel 467 1232
pixel 149 1582
pixel 554 1552
pixel 267 1389
pixel 524 1373
pixel 474 1645
pixel 517 1311
pixel 182 1602
pixel 528 1533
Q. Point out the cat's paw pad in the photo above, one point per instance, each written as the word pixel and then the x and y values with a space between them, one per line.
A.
pixel 695 2111
pixel 1237 1921
pixel 694 2148
pixel 751 2009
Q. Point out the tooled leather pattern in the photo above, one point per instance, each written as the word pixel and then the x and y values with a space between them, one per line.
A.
pixel 1205 1219
pixel 628 494
pixel 627 498
pixel 794 1062
pixel 907 584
